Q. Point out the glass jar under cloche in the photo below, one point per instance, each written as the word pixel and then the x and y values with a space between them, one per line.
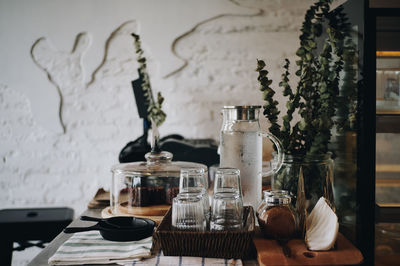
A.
pixel 141 184
pixel 275 215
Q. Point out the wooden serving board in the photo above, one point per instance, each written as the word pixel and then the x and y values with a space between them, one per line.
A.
pixel 269 252
pixel 154 210
pixel 106 213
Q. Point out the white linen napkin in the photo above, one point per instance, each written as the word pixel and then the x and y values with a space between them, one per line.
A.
pixel 91 248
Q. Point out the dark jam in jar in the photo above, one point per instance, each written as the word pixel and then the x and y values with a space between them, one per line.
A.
pixel 275 216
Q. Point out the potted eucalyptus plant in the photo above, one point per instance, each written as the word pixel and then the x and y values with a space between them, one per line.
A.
pixel 324 100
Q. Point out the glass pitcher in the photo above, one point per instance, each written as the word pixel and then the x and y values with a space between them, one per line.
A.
pixel 241 147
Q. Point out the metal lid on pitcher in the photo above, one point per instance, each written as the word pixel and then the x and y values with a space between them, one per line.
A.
pixel 242 112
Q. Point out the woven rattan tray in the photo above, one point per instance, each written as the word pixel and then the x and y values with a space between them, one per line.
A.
pixel 216 244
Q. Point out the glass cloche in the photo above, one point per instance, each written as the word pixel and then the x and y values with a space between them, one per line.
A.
pixel 150 183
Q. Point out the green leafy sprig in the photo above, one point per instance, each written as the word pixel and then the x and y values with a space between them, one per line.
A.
pixel 270 107
pixel 154 110
pixel 347 103
pixel 317 99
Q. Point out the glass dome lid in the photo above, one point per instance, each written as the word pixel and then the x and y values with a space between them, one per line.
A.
pixel 156 164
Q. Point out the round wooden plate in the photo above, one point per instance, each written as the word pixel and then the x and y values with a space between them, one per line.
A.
pixel 154 210
pixel 106 213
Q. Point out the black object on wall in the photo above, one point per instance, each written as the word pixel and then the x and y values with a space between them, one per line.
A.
pixel 135 150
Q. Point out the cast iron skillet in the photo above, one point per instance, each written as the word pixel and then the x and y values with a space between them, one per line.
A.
pixel 121 229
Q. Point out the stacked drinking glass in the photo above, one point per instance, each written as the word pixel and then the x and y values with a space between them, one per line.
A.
pixel 227 206
pixel 191 207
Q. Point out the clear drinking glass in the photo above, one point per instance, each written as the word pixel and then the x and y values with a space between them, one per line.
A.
pixel 188 212
pixel 227 180
pixel 194 180
pixel 227 206
pixel 227 212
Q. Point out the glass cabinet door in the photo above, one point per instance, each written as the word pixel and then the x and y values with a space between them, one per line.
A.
pixel 388 110
pixel 387 193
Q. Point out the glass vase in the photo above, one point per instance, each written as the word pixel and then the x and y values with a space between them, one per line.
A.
pixel 314 171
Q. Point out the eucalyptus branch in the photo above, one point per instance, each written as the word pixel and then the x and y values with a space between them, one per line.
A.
pixel 270 107
pixel 316 99
pixel 309 72
pixel 292 104
pixel 347 105
pixel 154 109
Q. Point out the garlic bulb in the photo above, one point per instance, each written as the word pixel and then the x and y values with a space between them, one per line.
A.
pixel 322 227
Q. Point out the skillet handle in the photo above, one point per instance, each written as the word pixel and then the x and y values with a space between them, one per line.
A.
pixel 93 219
pixel 70 230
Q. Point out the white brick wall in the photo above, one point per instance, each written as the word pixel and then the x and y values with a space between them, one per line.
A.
pixel 39 167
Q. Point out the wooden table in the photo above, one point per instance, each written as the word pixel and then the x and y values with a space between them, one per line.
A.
pixel 269 252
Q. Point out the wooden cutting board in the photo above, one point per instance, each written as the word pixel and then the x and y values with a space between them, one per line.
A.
pixel 270 253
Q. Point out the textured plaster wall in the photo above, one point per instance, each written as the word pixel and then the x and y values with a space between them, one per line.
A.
pixel 44 167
